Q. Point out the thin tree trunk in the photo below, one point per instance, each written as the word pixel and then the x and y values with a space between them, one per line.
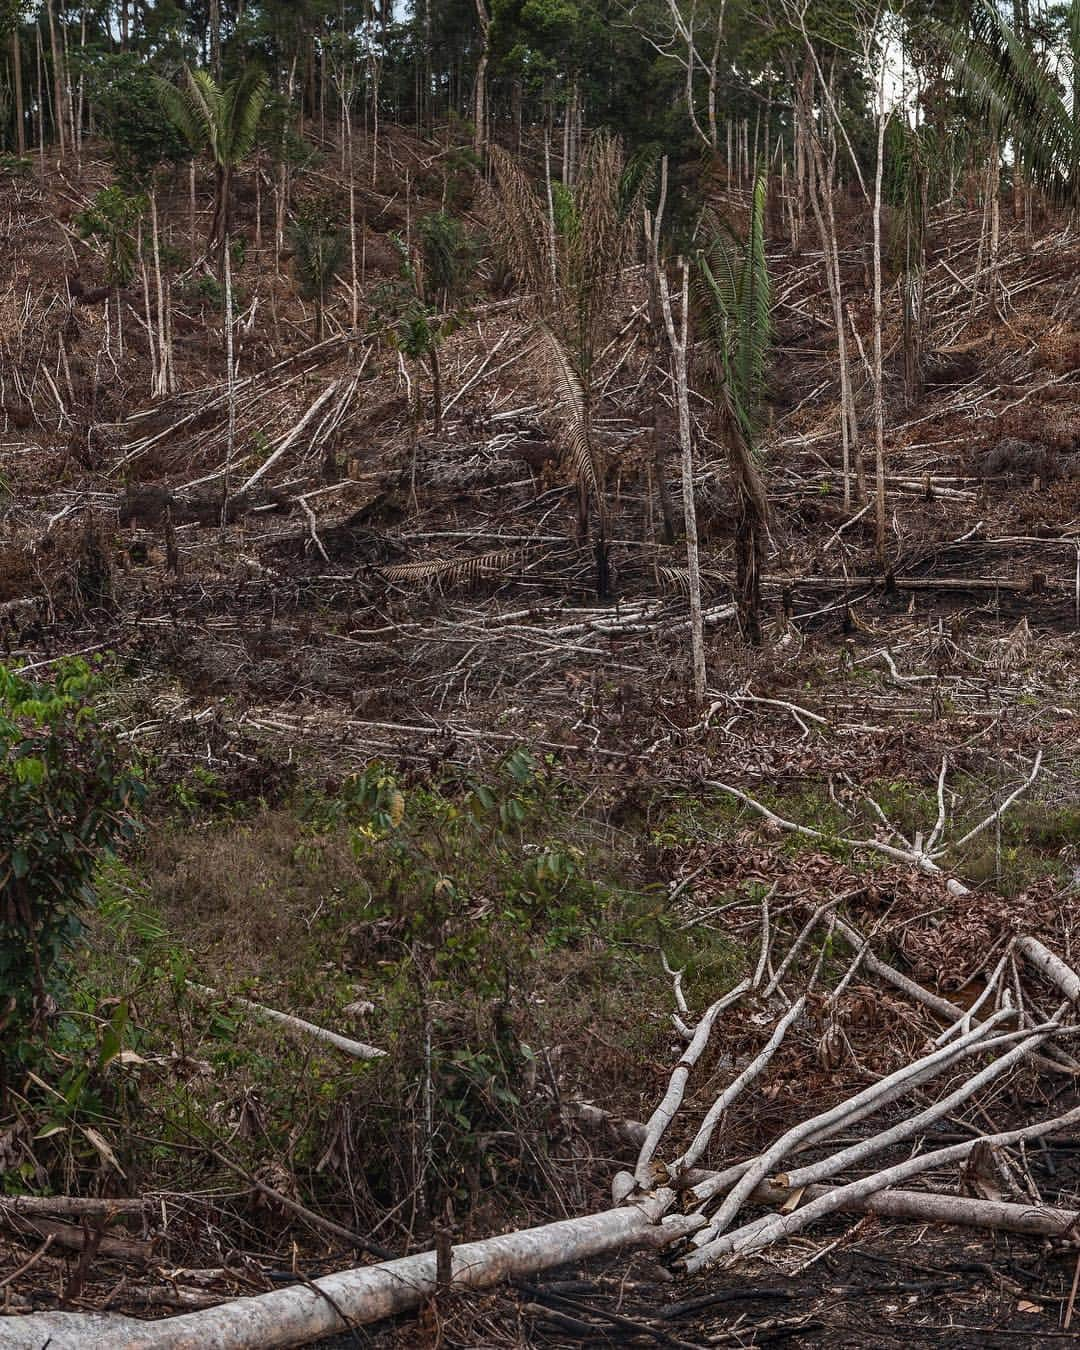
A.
pixel 20 111
pixel 215 39
pixel 714 64
pixel 436 391
pixel 162 383
pixel 678 344
pixel 192 211
pixel 821 178
pixel 480 87
pixel 879 385
pixel 230 376
pixel 58 80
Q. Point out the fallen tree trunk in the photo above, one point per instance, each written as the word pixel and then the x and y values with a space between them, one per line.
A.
pixel 82 1206
pixel 930 1207
pixel 77 1239
pixel 918 1206
pixel 357 1049
pixel 304 1313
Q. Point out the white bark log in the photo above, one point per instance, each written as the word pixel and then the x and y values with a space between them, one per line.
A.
pixel 357 1049
pixel 665 1113
pixel 760 1234
pixel 1042 958
pixel 301 1314
pixel 734 1090
pixel 864 1103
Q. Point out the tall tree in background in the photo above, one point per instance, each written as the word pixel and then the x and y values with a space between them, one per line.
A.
pixel 11 17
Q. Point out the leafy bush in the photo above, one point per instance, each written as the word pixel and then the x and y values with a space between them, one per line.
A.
pixel 123 89
pixel 65 800
pixel 112 219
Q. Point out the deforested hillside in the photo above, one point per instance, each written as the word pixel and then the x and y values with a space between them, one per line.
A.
pixel 540 702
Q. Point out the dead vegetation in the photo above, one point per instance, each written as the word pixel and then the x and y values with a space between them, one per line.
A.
pixel 368 590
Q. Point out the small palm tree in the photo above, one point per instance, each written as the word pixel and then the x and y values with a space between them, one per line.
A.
pixel 318 243
pixel 223 121
pixel 733 301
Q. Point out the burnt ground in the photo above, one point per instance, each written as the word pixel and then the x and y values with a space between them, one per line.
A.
pixel 434 606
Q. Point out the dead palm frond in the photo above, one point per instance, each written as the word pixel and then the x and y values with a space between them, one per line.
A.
pixel 521 228
pixel 453 571
pixel 570 415
pixel 568 248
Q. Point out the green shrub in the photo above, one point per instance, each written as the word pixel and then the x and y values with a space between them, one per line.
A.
pixel 65 800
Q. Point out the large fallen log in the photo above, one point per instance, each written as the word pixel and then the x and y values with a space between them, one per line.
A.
pixel 304 1313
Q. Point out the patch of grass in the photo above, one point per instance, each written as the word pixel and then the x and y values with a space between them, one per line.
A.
pixel 504 940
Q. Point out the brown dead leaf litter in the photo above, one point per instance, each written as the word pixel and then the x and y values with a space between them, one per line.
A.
pixel 432 606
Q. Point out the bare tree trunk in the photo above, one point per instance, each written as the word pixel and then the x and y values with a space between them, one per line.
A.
pixel 192 208
pixel 20 111
pixel 804 95
pixel 678 344
pixel 436 391
pixel 879 386
pixel 821 179
pixel 230 376
pixel 215 39
pixel 58 79
pixel 652 236
pixel 162 382
pixel 480 89
pixel 714 63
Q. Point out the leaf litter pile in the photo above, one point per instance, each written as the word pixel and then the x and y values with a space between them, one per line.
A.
pixel 866 1134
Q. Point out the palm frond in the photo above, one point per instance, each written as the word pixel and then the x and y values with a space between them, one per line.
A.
pixel 754 331
pixel 1019 91
pixel 242 102
pixel 519 226
pixel 733 302
pixel 571 419
pixel 452 570
pixel 637 180
pixel 183 111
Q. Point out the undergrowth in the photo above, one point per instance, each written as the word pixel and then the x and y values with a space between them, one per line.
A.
pixel 482 931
